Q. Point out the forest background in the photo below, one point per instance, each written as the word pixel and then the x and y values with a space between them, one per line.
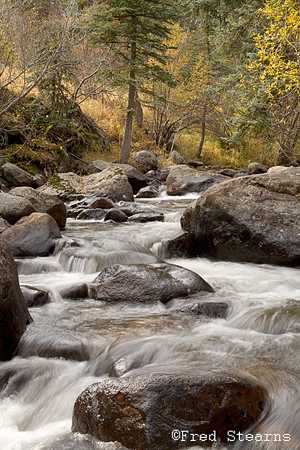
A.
pixel 92 79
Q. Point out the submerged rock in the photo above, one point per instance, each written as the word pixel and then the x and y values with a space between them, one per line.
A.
pixel 251 219
pixel 146 283
pixel 76 292
pixel 142 412
pixel 34 296
pixel 14 315
pixel 147 217
pixel 210 309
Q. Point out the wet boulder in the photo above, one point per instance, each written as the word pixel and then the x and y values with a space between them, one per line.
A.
pixel 147 217
pixel 146 283
pixel 43 203
pixel 182 179
pixel 76 292
pixel 153 411
pixel 101 202
pixel 13 208
pixel 14 315
pixel 34 235
pixel 91 214
pixel 34 296
pixel 144 161
pixel 16 176
pixel 147 192
pixel 116 215
pixel 214 310
pixel 251 219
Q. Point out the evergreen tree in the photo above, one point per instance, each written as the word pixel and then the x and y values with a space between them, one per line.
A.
pixel 135 31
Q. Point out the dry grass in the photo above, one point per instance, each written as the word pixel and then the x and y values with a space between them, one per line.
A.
pixel 215 153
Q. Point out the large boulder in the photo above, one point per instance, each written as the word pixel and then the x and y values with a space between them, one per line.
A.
pixel 34 235
pixel 165 412
pixel 13 208
pixel 16 176
pixel 135 177
pixel 14 315
pixel 251 219
pixel 144 161
pixel 108 183
pixel 65 186
pixel 182 179
pixel 44 203
pixel 146 283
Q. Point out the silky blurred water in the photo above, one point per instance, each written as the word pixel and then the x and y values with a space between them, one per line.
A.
pixel 258 341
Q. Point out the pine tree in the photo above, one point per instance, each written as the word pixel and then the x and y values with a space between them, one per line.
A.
pixel 135 31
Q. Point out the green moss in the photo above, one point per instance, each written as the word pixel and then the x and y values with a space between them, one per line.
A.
pixel 61 185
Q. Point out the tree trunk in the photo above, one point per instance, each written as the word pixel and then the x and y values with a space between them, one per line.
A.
pixel 203 123
pixel 125 151
pixel 199 151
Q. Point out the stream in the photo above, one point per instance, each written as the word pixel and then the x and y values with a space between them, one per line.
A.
pixel 259 341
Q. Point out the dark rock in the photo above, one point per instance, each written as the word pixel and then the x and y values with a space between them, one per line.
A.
pixel 147 217
pixel 255 168
pixel 195 163
pixel 34 235
pixel 13 208
pixel 228 172
pixel 147 192
pixel 16 176
pixel 91 214
pixel 135 177
pixel 252 219
pixel 76 292
pixel 14 315
pixel 34 296
pixel 146 283
pixel 144 161
pixel 142 412
pixel 209 309
pixel 184 245
pixel 44 204
pixel 101 202
pixel 116 215
pixel 183 179
pixel 163 173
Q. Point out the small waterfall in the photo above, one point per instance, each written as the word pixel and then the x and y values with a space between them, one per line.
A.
pixel 72 344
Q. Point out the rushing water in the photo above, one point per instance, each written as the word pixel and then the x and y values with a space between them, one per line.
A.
pixel 259 341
